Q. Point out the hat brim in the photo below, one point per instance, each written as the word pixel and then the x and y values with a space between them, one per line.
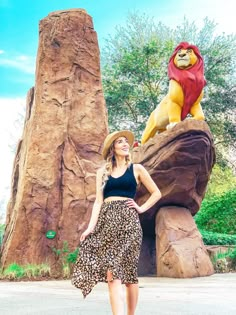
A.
pixel 113 136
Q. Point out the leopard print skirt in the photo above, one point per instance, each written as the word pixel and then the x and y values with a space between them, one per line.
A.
pixel 114 245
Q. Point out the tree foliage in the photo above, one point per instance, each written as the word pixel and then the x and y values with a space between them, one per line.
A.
pixel 135 73
pixel 218 213
pixel 222 180
pixel 213 238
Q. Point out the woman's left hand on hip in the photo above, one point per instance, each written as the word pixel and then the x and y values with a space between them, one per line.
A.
pixel 132 204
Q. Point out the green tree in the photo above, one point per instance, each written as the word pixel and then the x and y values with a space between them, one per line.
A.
pixel 135 73
pixel 222 180
pixel 217 213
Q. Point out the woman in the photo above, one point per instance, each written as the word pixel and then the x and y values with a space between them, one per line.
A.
pixel 110 246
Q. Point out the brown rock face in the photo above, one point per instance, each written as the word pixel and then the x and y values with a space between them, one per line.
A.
pixel 53 185
pixel 180 162
pixel 180 249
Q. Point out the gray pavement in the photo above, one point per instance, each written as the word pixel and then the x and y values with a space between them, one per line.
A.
pixel 214 295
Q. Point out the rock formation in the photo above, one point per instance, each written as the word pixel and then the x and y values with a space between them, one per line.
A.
pixel 53 184
pixel 180 162
pixel 180 249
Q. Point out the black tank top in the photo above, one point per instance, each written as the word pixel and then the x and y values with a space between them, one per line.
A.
pixel 122 186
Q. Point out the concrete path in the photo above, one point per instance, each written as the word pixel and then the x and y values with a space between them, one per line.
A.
pixel 214 295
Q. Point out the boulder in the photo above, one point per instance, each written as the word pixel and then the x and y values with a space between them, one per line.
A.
pixel 180 249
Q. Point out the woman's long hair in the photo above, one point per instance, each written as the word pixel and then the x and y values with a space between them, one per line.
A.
pixel 111 163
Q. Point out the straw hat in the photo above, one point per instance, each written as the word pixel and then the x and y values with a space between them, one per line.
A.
pixel 113 136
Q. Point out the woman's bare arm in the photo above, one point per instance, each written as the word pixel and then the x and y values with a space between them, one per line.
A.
pixel 147 181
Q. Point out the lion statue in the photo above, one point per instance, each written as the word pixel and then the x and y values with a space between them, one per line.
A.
pixel 186 74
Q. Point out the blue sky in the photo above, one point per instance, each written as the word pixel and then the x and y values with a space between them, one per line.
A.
pixel 19 28
pixel 19 33
pixel 19 21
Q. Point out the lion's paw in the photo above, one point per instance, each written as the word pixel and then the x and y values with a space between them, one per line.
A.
pixel 171 125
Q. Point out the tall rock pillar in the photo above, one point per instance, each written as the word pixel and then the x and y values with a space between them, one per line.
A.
pixel 53 184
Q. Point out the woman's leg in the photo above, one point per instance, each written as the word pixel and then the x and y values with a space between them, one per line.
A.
pixel 131 297
pixel 116 295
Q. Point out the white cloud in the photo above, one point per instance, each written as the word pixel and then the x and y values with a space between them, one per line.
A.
pixel 12 112
pixel 23 63
pixel 1 51
pixel 223 13
pixel 24 58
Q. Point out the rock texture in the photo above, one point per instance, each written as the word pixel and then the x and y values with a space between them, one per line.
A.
pixel 180 161
pixel 53 185
pixel 180 249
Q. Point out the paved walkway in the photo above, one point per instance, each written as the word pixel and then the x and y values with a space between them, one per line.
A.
pixel 214 295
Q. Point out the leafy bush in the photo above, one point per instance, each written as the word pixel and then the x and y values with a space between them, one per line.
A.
pixel 15 271
pixel 218 213
pixel 65 259
pixel 212 238
pixel 64 253
pixel 71 257
pixel 232 256
pixel 225 261
pixel 221 255
pixel 34 271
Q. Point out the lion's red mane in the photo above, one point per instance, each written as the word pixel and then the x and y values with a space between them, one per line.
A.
pixel 191 80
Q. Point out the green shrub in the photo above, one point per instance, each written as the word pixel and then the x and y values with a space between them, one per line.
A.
pixel 218 213
pixel 72 257
pixel 225 261
pixel 65 259
pixel 232 256
pixel 34 271
pixel 221 255
pixel 31 270
pixel 212 238
pixel 14 271
pixel 66 272
pixel 44 270
pixel 64 253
